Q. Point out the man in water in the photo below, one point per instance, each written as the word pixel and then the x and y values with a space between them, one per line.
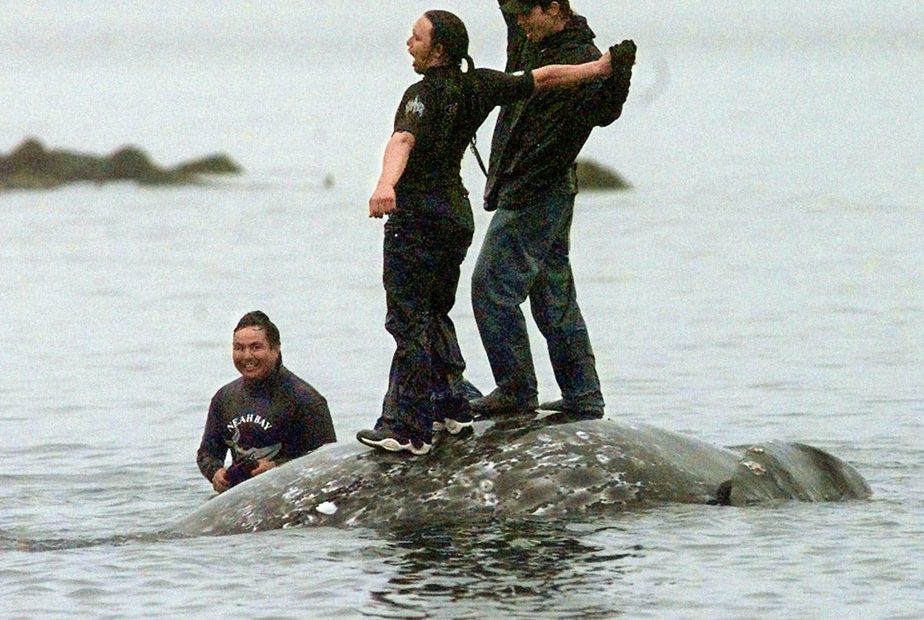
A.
pixel 265 417
pixel 430 223
pixel 531 187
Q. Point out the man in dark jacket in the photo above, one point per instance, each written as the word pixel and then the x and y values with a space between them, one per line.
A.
pixel 532 185
pixel 265 417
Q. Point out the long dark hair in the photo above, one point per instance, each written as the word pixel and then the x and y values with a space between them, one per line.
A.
pixel 449 31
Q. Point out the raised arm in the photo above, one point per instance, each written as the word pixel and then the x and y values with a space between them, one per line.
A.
pixel 397 152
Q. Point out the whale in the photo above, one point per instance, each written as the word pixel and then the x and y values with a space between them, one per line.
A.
pixel 530 466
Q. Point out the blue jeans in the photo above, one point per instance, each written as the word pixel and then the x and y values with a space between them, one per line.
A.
pixel 525 255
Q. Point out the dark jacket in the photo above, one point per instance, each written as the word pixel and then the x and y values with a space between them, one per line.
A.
pixel 537 140
pixel 282 409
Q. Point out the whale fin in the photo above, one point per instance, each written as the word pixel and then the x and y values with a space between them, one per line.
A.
pixel 723 494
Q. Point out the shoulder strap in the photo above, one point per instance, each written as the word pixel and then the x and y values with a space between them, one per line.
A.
pixel 478 157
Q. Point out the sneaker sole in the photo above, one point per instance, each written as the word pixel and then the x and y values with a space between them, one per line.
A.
pixel 454 427
pixel 392 445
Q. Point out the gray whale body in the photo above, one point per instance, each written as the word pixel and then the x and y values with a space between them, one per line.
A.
pixel 545 467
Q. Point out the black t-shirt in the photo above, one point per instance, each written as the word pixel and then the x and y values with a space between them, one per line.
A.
pixel 443 111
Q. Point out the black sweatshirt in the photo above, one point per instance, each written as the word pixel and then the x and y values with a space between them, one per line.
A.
pixel 536 141
pixel 280 409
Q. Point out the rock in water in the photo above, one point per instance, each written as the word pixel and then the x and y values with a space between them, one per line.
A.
pixel 31 166
pixel 594 176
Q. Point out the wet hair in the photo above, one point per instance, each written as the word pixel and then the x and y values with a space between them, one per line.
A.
pixel 449 31
pixel 564 5
pixel 259 320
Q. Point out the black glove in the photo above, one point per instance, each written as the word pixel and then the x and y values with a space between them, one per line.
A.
pixel 622 56
pixel 240 471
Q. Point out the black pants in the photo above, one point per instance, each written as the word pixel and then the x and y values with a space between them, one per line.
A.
pixel 422 259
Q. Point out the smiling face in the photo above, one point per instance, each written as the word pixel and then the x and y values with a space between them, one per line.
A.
pixel 538 23
pixel 252 353
pixel 420 46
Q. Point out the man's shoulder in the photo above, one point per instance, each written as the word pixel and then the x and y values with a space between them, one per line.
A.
pixel 416 100
pixel 297 386
pixel 232 387
pixel 574 51
pixel 227 397
pixel 420 88
pixel 576 43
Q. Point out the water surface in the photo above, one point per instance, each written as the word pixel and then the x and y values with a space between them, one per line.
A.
pixel 762 281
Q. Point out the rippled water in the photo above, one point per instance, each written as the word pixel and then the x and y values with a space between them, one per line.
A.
pixel 762 281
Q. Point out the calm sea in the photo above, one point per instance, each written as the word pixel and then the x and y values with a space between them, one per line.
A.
pixel 762 281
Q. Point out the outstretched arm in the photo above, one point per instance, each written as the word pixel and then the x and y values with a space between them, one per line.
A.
pixel 563 76
pixel 397 152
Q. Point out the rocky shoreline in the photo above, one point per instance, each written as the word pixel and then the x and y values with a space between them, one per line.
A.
pixel 32 166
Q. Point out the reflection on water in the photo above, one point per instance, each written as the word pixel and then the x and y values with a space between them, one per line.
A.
pixel 39 545
pixel 523 567
pixel 520 568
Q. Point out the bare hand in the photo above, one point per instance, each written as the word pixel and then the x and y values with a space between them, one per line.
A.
pixel 382 201
pixel 263 465
pixel 220 480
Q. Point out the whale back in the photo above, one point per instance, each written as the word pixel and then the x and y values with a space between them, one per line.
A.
pixel 783 470
pixel 550 467
pixel 518 467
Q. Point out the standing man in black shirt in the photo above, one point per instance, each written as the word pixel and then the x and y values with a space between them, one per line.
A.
pixel 430 223
pixel 266 417
pixel 531 187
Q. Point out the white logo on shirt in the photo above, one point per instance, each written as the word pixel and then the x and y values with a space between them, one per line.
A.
pixel 250 418
pixel 415 106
